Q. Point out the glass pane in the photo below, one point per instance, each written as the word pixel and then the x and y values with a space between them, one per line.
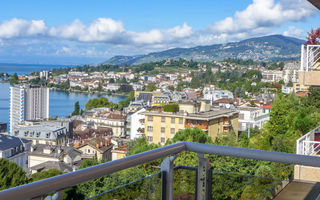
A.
pixel 227 185
pixel 148 188
pixel 184 183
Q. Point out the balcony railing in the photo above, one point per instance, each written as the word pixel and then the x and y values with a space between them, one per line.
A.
pixel 57 184
pixel 201 126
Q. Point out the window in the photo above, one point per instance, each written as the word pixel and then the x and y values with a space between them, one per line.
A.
pixel 25 133
pixel 163 129
pixel 180 120
pixel 241 116
pixel 173 120
pixel 149 138
pixel 163 140
pixel 38 134
pixel 163 119
pixel 172 131
pixel 150 119
pixel 150 128
pixel 88 150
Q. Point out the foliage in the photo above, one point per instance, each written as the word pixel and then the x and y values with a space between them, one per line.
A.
pixel 11 174
pixel 171 108
pixel 151 87
pixel 45 174
pixel 76 109
pixel 13 79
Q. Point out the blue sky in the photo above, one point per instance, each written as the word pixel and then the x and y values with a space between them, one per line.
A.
pixel 92 31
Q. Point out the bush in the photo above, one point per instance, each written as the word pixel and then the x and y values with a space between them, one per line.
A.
pixel 171 108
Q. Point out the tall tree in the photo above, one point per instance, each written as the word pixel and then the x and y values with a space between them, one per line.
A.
pixel 11 175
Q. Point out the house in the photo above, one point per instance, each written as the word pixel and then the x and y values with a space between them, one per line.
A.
pixel 99 148
pixel 44 157
pixel 251 117
pixel 15 149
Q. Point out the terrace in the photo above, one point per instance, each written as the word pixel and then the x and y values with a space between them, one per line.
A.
pixel 179 182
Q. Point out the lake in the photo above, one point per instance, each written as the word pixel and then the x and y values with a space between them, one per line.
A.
pixel 23 69
pixel 61 103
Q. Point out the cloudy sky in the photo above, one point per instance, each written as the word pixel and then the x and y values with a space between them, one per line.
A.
pixel 82 31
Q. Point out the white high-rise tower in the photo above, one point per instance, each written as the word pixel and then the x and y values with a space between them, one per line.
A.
pixel 28 102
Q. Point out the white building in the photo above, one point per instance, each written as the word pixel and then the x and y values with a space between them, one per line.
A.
pixel 44 74
pixel 271 76
pixel 15 149
pixel 252 117
pixel 212 94
pixel 290 72
pixel 28 102
pixel 137 123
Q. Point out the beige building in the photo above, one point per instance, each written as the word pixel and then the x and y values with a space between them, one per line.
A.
pixel 161 126
pixel 43 157
pixel 99 148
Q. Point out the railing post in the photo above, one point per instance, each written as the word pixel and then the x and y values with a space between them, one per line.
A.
pixel 167 178
pixel 200 181
pixel 208 188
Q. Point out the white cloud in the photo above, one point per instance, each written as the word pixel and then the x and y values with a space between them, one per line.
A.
pixel 22 28
pixel 293 32
pixel 180 31
pixel 264 13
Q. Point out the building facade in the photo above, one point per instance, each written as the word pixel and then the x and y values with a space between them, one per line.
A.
pixel 161 126
pixel 28 102
pixel 15 149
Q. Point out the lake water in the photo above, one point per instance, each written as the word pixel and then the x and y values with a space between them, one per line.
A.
pixel 22 69
pixel 61 103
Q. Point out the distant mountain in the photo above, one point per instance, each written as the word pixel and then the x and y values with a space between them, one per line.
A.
pixel 267 48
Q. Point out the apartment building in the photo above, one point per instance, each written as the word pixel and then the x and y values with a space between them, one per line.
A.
pixel 251 117
pixel 272 76
pixel 102 117
pixel 28 102
pixel 161 126
pixel 15 149
pixel 43 133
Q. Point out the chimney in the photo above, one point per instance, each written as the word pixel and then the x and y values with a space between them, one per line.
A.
pixel 97 145
pixel 205 105
pixel 101 144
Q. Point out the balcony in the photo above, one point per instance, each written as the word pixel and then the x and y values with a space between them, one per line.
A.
pixel 201 126
pixel 180 182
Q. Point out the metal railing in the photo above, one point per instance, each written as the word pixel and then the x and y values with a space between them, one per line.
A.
pixel 57 184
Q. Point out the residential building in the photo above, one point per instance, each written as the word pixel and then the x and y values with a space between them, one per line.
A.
pixel 251 117
pixel 44 75
pixel 98 147
pixel 115 120
pixel 28 102
pixel 137 124
pixel 159 100
pixel 212 94
pixel 42 133
pixel 161 126
pixel 272 76
pixel 43 157
pixel 290 72
pixel 15 149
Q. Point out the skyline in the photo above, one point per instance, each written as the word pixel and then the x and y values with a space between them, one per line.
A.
pixel 90 32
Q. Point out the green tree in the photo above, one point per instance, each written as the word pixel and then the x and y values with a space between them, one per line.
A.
pixel 45 174
pixel 13 79
pixel 76 109
pixel 151 87
pixel 11 175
